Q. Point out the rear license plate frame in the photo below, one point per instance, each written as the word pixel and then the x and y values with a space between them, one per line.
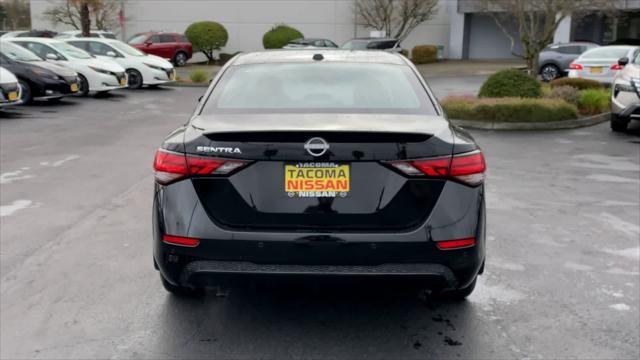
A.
pixel 317 179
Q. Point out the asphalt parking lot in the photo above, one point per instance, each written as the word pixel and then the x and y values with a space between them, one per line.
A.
pixel 77 281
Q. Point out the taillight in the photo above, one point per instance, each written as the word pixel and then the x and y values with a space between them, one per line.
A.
pixel 467 168
pixel 171 166
pixel 456 244
pixel 180 240
pixel 574 66
pixel 617 67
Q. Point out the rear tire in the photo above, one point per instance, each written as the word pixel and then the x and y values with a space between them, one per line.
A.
pixel 180 59
pixel 27 94
pixel 549 72
pixel 458 294
pixel 135 79
pixel 618 125
pixel 181 291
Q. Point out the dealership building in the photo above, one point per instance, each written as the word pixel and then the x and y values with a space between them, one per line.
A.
pixel 460 27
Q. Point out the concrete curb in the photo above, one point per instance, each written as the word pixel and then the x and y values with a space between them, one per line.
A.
pixel 553 125
pixel 185 84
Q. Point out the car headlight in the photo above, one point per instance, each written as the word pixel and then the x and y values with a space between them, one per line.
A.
pixel 101 71
pixel 44 73
pixel 159 68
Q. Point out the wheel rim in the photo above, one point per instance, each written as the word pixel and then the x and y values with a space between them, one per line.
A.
pixel 549 73
pixel 134 79
pixel 181 59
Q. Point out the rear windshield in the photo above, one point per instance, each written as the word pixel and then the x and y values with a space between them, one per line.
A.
pixel 319 88
pixel 605 53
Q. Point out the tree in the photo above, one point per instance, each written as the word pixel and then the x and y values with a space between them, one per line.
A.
pixel 397 18
pixel 536 21
pixel 14 15
pixel 207 37
pixel 78 14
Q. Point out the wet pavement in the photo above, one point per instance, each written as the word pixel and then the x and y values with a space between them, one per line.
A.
pixel 77 281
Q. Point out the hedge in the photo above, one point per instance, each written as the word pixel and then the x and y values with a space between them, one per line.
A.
pixel 279 36
pixel 578 83
pixel 509 109
pixel 594 101
pixel 424 54
pixel 510 83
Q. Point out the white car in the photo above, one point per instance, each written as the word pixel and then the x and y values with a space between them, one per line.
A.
pixel 78 34
pixel 601 63
pixel 9 88
pixel 94 75
pixel 142 69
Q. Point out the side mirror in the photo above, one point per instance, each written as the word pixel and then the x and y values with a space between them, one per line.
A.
pixel 52 56
pixel 111 54
pixel 623 61
pixel 147 43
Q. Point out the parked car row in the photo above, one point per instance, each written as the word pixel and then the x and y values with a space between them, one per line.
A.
pixel 49 69
pixel 625 93
pixel 369 43
pixel 584 60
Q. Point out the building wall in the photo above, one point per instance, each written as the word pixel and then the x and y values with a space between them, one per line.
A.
pixel 247 20
pixel 487 40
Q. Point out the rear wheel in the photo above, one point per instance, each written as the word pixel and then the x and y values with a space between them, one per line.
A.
pixel 180 58
pixel 549 72
pixel 618 125
pixel 27 94
pixel 135 79
pixel 83 86
pixel 182 291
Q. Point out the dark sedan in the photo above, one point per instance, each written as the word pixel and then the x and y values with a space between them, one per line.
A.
pixel 319 164
pixel 38 79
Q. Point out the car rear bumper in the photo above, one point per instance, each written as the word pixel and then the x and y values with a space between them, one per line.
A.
pixel 225 255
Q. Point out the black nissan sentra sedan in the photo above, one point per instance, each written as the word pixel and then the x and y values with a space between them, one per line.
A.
pixel 324 164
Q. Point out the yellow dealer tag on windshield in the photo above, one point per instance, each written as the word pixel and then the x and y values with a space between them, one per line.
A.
pixel 317 180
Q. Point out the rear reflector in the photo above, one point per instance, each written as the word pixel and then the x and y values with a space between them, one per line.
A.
pixel 179 240
pixel 171 166
pixel 455 244
pixel 467 168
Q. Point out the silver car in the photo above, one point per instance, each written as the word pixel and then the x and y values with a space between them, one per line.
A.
pixel 554 60
pixel 601 64
pixel 625 93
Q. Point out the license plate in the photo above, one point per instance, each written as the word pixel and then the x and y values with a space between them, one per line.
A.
pixel 596 70
pixel 74 87
pixel 317 180
pixel 13 96
pixel 123 82
pixel 172 76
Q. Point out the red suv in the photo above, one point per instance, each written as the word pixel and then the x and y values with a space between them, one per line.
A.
pixel 171 46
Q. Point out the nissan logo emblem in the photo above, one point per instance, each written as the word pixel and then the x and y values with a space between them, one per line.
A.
pixel 316 146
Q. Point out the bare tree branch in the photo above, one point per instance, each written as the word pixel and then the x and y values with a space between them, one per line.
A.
pixel 395 17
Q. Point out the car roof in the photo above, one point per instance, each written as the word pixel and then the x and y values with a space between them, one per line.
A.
pixel 40 39
pixel 374 39
pixel 306 56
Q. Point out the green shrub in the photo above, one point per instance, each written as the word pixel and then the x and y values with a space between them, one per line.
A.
pixel 279 36
pixel 198 76
pixel 509 109
pixel 510 83
pixel 566 93
pixel 578 83
pixel 207 37
pixel 594 101
pixel 424 54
